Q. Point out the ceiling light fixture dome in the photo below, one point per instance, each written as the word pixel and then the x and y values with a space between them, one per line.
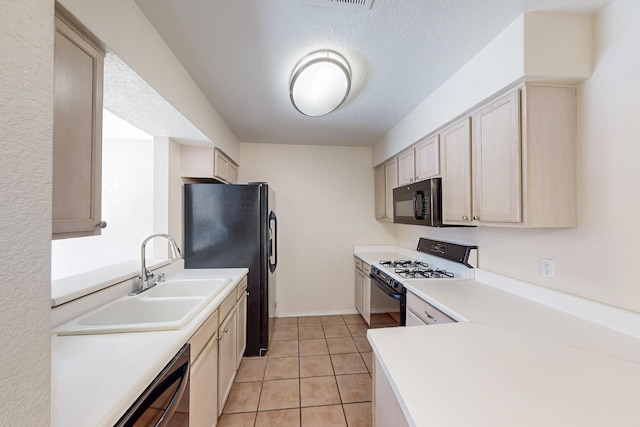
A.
pixel 320 83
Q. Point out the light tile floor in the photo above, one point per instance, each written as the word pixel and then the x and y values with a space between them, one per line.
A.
pixel 316 373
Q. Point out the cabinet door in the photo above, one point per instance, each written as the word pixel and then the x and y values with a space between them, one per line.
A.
pixel 366 299
pixel 456 173
pixel 220 166
pixel 391 178
pixel 358 289
pixel 197 162
pixel 77 133
pixel 242 328
pixel 380 192
pixel 233 173
pixel 227 359
pixel 386 408
pixel 406 167
pixel 428 158
pixel 203 402
pixel 413 320
pixel 497 161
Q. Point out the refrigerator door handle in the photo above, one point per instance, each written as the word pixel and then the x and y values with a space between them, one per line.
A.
pixel 273 246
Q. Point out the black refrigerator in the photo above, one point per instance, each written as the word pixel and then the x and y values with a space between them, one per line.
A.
pixel 235 226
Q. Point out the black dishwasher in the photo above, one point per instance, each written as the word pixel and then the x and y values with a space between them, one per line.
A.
pixel 165 403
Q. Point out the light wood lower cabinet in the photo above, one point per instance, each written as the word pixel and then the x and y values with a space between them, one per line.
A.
pixel 232 340
pixel 216 353
pixel 386 408
pixel 227 356
pixel 363 289
pixel 203 404
pixel 203 381
pixel 242 323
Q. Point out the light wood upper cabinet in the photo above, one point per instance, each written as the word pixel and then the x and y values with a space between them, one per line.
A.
pixel 77 131
pixel 427 158
pixel 386 179
pixel 209 163
pixel 456 173
pixel 391 182
pixel 523 161
pixel 380 192
pixel 406 167
pixel 419 162
pixel 497 161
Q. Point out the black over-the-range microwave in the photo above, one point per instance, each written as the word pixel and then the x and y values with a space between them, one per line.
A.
pixel 419 203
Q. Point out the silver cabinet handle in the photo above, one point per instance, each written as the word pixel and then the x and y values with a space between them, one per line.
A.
pixel 465 218
pixel 101 224
pixel 430 316
pixel 476 218
pixel 220 337
pixel 226 330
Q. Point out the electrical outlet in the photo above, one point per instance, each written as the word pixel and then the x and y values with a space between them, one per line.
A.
pixel 546 267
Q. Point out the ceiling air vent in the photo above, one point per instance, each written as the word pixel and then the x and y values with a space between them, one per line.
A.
pixel 342 4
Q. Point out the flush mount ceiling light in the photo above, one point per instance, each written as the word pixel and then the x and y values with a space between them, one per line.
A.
pixel 320 83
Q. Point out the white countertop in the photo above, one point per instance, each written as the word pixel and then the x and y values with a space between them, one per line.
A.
pixel 510 361
pixel 95 378
pixel 468 374
pixel 480 303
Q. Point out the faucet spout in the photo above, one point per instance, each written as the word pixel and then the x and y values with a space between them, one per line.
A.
pixel 145 279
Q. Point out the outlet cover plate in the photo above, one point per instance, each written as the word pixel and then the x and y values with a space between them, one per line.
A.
pixel 546 267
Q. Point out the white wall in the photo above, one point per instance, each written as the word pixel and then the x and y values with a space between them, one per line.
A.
pixel 127 207
pixel 168 194
pixel 596 260
pixel 26 119
pixel 324 203
pixel 536 46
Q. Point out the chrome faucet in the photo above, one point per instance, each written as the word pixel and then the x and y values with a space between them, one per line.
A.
pixel 146 278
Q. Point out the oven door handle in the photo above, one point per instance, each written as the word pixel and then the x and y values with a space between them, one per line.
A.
pixel 384 288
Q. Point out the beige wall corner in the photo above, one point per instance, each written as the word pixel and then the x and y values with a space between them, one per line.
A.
pixel 558 46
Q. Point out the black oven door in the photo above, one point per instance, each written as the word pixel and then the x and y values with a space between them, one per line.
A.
pixel 399 297
pixel 418 203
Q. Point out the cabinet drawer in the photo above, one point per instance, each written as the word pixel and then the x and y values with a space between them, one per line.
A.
pixel 425 311
pixel 228 303
pixel 358 262
pixel 200 338
pixel 242 288
pixel 366 268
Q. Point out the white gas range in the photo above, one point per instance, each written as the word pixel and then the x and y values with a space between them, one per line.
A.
pixel 433 260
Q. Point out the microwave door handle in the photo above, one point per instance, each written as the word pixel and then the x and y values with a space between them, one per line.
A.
pixel 415 205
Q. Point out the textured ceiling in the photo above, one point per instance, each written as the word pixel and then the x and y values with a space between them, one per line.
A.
pixel 241 53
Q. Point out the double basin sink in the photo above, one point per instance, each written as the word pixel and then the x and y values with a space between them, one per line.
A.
pixel 168 305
